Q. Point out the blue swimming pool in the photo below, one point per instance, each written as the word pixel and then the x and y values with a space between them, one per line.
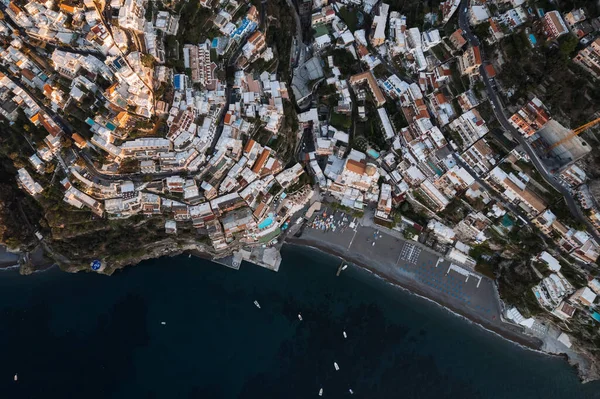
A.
pixel 265 223
pixel 372 153
pixel 532 39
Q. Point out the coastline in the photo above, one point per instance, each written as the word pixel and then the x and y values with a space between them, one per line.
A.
pixel 520 339
pixel 383 261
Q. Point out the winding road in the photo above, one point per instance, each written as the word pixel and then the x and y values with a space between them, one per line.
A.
pixel 498 107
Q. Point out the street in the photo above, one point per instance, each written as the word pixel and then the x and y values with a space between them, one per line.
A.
pixel 498 108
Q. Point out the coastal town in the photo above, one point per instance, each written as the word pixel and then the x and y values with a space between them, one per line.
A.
pixel 377 132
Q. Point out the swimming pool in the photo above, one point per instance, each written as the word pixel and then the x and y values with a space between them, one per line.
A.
pixel 266 223
pixel 532 39
pixel 372 153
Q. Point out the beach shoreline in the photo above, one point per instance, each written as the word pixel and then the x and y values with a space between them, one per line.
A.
pixel 520 339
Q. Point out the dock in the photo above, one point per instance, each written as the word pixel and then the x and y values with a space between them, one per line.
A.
pixel 339 269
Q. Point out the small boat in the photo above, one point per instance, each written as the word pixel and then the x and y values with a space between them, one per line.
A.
pixel 344 267
pixel 345 336
pixel 16 377
pixel 373 244
pixel 337 368
pixel 257 304
pixel 299 317
pixel 351 391
pixel 163 323
pixel 321 392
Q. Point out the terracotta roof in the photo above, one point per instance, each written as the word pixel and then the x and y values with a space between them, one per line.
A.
pixel 28 74
pixel 112 88
pixel 256 37
pixel 440 98
pixel 78 139
pixel 482 147
pixel 566 308
pixel 375 90
pixel 14 8
pixel 253 13
pixel 494 25
pixel 420 104
pixel 259 210
pixel 554 17
pixel 249 145
pixel 362 51
pixel 458 39
pixel 423 114
pixel 477 55
pixel 50 126
pixel 67 8
pixel 527 195
pixel 48 89
pixel 260 162
pixel 490 70
pixel 356 167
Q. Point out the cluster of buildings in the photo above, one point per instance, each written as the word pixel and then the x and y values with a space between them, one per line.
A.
pixel 208 171
pixel 232 180
pixel 445 150
pixel 557 295
pixel 506 16
pixel 204 170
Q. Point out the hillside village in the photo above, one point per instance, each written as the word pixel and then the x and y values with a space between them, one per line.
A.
pixel 201 120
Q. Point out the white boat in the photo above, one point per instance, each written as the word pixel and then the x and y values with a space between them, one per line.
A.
pixel 257 304
pixel 337 368
pixel 351 391
pixel 299 317
pixel 321 392
pixel 190 255
pixel 373 244
pixel 163 323
pixel 16 377
pixel 344 267
pixel 345 336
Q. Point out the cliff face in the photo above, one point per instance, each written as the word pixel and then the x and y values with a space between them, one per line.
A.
pixel 166 247
pixel 18 212
pixel 120 243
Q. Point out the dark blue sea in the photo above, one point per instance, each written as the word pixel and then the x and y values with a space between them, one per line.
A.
pixel 92 336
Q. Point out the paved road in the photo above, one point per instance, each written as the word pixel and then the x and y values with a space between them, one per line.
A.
pixel 490 87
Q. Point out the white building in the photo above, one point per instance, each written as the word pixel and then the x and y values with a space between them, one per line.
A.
pixel 27 182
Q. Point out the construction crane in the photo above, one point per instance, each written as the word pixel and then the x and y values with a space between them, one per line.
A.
pixel 573 133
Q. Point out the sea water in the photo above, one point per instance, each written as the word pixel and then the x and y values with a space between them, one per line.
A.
pixel 92 336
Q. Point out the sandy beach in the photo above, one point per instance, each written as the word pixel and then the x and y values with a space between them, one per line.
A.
pixel 420 270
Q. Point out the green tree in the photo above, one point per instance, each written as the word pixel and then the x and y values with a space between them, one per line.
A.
pixel 148 60
pixel 567 45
